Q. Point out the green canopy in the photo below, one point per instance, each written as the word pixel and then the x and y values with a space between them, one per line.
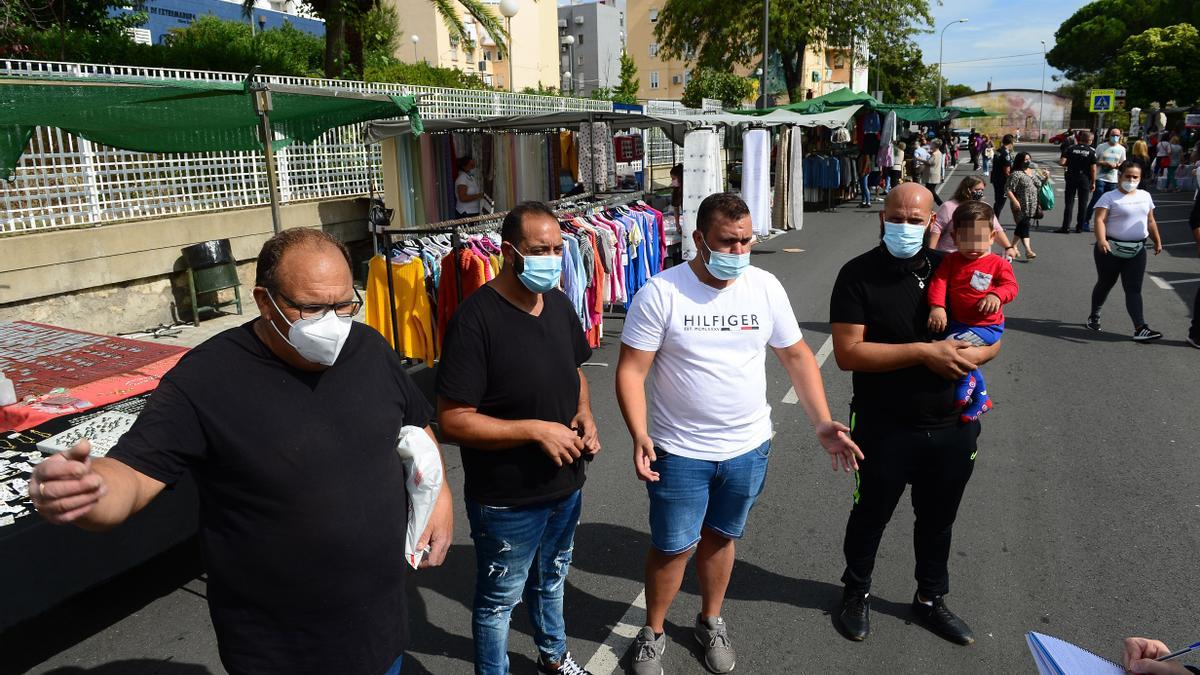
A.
pixel 917 114
pixel 177 115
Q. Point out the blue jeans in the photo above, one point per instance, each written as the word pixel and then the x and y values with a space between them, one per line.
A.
pixel 521 552
pixel 695 493
pixel 1102 186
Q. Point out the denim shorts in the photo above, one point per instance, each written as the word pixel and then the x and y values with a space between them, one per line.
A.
pixel 695 493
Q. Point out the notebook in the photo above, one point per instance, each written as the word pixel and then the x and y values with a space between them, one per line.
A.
pixel 1056 657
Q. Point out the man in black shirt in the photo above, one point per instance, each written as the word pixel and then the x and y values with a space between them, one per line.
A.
pixel 1001 167
pixel 1080 179
pixel 289 425
pixel 903 412
pixel 512 393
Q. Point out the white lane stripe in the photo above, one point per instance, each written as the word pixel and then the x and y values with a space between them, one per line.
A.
pixel 1158 281
pixel 1174 220
pixel 1181 243
pixel 1185 281
pixel 607 658
pixel 822 354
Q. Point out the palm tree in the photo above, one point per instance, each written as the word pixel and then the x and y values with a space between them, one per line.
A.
pixel 341 33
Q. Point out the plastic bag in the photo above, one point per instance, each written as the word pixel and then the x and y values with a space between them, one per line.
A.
pixel 423 478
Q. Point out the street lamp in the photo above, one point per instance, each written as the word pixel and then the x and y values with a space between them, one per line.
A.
pixel 567 77
pixel 569 41
pixel 509 8
pixel 1042 99
pixel 415 39
pixel 941 46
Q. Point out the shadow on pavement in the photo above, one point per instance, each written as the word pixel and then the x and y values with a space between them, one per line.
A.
pixel 92 612
pixel 135 667
pixel 1070 332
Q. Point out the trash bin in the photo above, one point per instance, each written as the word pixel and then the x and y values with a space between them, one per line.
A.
pixel 211 268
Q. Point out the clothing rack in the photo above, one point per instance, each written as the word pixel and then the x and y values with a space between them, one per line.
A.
pixel 478 225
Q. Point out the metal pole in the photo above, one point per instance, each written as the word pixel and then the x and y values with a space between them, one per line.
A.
pixel 941 47
pixel 1042 99
pixel 508 27
pixel 766 64
pixel 262 105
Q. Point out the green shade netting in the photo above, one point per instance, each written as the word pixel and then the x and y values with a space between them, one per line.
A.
pixel 164 116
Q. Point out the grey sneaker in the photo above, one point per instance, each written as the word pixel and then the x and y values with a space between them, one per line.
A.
pixel 647 652
pixel 714 638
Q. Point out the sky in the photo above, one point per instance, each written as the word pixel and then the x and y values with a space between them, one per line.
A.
pixel 997 28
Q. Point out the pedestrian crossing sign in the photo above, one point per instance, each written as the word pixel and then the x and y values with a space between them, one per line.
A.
pixel 1102 100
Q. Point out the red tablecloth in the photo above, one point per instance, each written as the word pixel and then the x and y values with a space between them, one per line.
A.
pixel 58 371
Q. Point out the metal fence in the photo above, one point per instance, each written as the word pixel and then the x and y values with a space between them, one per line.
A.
pixel 66 181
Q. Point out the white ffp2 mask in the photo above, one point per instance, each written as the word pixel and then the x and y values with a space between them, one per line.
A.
pixel 316 340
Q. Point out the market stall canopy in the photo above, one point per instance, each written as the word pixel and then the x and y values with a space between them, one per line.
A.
pixel 162 116
pixel 843 98
pixel 673 124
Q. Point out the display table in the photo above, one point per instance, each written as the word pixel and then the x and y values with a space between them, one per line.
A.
pixel 43 565
pixel 57 371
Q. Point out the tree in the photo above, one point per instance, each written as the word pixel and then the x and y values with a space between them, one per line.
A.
pixel 627 88
pixel 729 88
pixel 422 74
pixel 721 34
pixel 26 23
pixel 1161 63
pixel 900 72
pixel 1087 41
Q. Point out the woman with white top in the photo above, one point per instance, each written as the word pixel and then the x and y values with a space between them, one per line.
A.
pixel 466 189
pixel 941 232
pixel 1124 218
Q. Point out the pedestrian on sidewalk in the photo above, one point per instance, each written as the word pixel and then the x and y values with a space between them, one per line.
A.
pixel 1022 191
pixel 1001 168
pixel 1174 159
pixel 289 425
pixel 705 328
pixel 941 233
pixel 1124 218
pixel 1193 337
pixel 934 170
pixel 902 413
pixel 512 393
pixel 896 172
pixel 1079 180
pixel 973 147
pixel 1109 157
pixel 987 152
pixel 1162 155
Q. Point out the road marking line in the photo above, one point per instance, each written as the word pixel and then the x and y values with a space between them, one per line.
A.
pixel 607 658
pixel 822 354
pixel 1158 281
pixel 1175 220
pixel 1185 281
pixel 1181 243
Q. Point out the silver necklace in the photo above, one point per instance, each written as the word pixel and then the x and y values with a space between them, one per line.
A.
pixel 922 279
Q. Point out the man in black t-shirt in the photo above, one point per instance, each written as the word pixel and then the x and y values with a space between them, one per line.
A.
pixel 289 425
pixel 512 393
pixel 903 412
pixel 1001 168
pixel 1079 180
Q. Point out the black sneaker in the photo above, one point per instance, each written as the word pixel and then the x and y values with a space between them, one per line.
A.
pixel 1093 323
pixel 938 618
pixel 1063 230
pixel 1145 334
pixel 854 619
pixel 1194 341
pixel 567 667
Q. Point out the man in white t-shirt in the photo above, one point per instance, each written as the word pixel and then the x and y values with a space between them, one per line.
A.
pixel 705 327
pixel 1109 156
pixel 467 194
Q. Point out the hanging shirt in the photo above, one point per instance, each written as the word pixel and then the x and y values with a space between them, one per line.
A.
pixel 414 315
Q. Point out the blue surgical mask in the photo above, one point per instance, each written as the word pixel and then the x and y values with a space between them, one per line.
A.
pixel 725 266
pixel 540 273
pixel 903 240
pixel 1114 139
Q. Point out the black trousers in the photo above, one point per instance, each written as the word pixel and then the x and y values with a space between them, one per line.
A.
pixel 1001 196
pixel 933 188
pixel 1194 222
pixel 938 465
pixel 1073 187
pixel 1131 272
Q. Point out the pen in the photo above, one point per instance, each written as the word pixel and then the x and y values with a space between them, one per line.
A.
pixel 1181 652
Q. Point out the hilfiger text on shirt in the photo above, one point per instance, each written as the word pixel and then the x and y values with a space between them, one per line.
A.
pixel 720 322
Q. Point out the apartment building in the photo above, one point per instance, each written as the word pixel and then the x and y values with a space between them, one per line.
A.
pixel 591 38
pixel 535 52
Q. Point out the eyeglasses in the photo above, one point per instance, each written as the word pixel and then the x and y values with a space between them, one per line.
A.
pixel 343 309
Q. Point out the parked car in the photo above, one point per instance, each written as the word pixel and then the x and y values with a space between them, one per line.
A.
pixel 964 138
pixel 1060 137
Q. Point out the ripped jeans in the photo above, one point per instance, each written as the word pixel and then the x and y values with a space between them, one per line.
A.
pixel 521 553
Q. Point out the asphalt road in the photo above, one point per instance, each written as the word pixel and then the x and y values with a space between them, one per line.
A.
pixel 1082 519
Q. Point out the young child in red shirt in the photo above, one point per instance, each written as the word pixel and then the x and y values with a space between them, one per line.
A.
pixel 973 283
